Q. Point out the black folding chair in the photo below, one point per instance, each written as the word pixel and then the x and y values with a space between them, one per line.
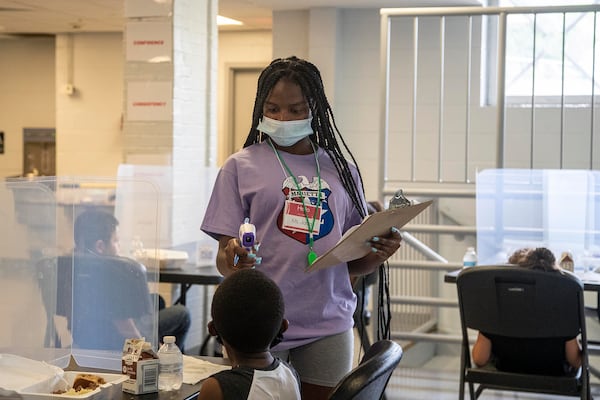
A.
pixel 368 380
pixel 521 304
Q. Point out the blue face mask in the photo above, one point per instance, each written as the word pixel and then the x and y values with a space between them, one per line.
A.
pixel 285 133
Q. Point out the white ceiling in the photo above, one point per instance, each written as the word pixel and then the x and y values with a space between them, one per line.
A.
pixel 59 16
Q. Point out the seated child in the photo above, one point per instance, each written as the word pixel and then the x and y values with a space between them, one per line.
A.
pixel 537 355
pixel 247 312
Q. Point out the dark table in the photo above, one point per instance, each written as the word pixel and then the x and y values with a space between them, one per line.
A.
pixel 189 275
pixel 185 392
pixel 590 280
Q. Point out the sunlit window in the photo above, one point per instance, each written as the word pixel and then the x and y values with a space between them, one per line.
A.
pixel 558 60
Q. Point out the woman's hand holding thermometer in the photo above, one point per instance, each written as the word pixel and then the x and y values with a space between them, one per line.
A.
pixel 247 236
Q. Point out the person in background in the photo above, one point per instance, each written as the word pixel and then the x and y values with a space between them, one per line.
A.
pixel 529 355
pixel 292 180
pixel 96 232
pixel 519 257
pixel 248 318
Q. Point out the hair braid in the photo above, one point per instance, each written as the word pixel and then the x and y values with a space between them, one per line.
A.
pixel 325 129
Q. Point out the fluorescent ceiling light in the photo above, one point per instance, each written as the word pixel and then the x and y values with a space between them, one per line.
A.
pixel 227 21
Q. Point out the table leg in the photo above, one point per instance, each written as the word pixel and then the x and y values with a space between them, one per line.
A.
pixel 183 288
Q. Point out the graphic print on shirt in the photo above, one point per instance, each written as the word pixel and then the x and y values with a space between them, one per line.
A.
pixel 292 220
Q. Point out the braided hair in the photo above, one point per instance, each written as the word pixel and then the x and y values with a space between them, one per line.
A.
pixel 325 131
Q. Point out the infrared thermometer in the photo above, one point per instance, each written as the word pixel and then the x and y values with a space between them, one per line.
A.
pixel 247 235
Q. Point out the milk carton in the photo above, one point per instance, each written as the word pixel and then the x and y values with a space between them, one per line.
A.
pixel 566 261
pixel 140 363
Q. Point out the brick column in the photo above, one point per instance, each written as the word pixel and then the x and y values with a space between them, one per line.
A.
pixel 187 140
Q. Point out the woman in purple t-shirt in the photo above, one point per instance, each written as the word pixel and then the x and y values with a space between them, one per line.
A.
pixel 292 181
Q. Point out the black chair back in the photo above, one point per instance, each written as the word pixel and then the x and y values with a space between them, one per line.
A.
pixel 369 379
pixel 522 305
pixel 105 290
pixel 501 300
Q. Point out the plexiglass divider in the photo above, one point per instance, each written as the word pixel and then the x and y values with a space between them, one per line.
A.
pixel 59 299
pixel 557 209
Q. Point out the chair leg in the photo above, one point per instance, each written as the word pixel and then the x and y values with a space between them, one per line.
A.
pixel 215 350
pixel 588 386
pixel 464 361
pixel 594 371
pixel 204 345
pixel 473 394
pixel 477 392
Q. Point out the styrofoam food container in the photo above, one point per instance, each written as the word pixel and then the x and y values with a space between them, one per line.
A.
pixel 110 390
pixel 35 380
pixel 17 372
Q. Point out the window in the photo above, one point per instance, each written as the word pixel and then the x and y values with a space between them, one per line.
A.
pixel 541 71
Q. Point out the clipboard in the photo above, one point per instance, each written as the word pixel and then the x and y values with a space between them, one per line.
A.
pixel 353 243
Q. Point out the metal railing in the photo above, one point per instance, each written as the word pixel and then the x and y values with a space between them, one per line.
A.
pixel 427 156
pixel 436 85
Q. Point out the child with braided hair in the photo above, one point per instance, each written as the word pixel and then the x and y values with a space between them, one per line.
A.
pixel 293 182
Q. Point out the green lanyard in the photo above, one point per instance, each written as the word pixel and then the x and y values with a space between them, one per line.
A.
pixel 312 256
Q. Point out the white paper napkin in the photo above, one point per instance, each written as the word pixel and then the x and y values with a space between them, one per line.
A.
pixel 196 369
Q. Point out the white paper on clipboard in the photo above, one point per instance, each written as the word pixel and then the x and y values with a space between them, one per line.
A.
pixel 353 243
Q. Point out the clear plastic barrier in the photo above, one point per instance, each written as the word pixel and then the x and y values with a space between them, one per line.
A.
pixel 62 296
pixel 557 209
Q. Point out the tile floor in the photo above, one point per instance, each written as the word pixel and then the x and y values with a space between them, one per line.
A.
pixel 438 380
pixel 419 377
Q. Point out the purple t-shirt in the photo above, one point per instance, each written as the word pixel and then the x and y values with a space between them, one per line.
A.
pixel 254 184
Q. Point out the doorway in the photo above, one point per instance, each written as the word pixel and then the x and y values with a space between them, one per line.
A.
pixel 242 92
pixel 39 151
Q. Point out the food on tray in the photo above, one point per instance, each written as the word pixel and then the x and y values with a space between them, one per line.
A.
pixel 83 383
pixel 87 381
pixel 73 392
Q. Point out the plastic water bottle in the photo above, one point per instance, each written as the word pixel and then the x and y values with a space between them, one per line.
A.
pixel 170 375
pixel 470 258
